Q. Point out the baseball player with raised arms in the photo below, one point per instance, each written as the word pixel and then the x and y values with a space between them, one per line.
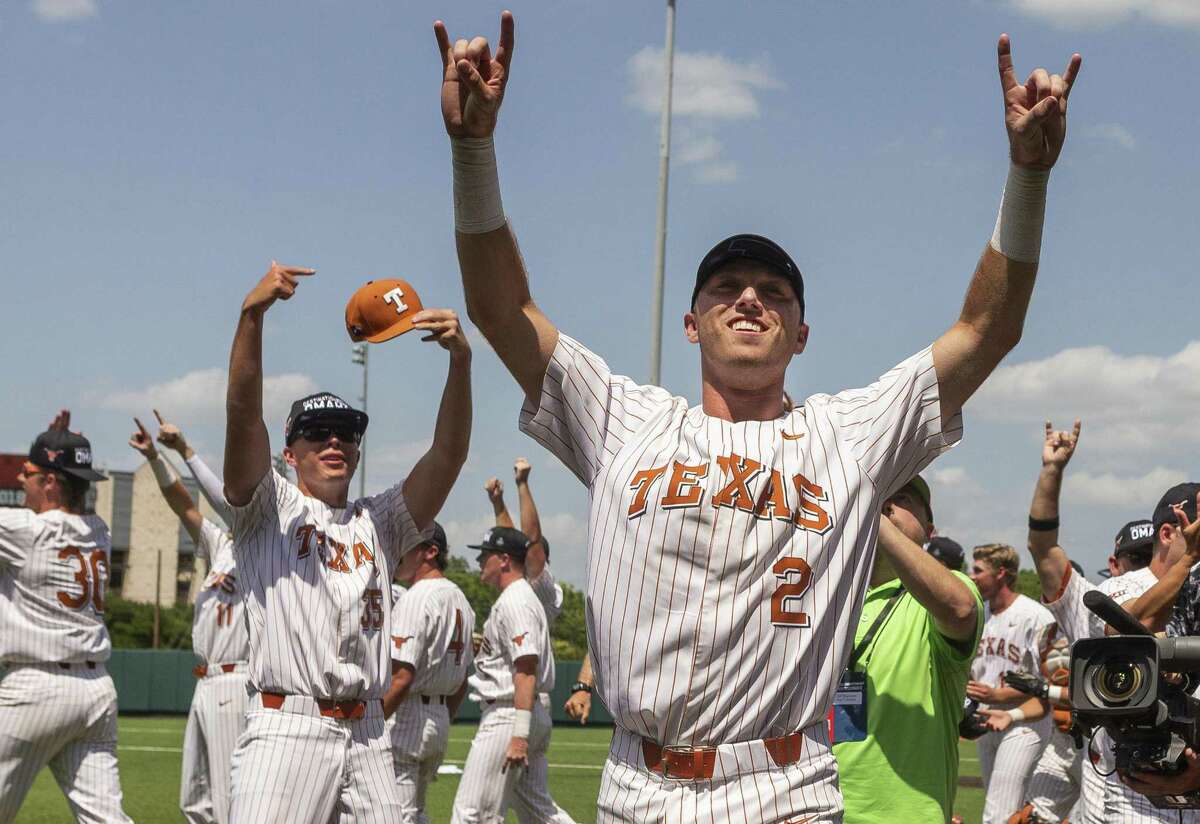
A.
pixel 1016 636
pixel 431 655
pixel 316 571
pixel 506 766
pixel 58 706
pixel 731 543
pixel 219 703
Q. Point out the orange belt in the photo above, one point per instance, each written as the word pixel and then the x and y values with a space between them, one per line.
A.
pixel 698 763
pixel 200 670
pixel 344 710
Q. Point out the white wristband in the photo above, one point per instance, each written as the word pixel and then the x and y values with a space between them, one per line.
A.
pixel 1057 694
pixel 1016 715
pixel 1018 232
pixel 163 473
pixel 477 205
pixel 521 722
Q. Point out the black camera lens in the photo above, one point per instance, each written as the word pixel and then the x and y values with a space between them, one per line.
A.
pixel 1117 680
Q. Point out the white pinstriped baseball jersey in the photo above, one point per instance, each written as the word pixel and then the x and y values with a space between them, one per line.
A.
pixel 549 593
pixel 728 561
pixel 218 627
pixel 317 588
pixel 1076 621
pixel 53 579
pixel 1017 638
pixel 431 632
pixel 516 627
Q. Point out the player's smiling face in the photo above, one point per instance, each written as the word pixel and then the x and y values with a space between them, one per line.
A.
pixel 323 467
pixel 748 323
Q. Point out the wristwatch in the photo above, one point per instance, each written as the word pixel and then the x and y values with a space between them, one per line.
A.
pixel 579 686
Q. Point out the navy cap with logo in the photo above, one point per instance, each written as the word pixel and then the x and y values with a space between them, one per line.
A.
pixel 1183 494
pixel 949 553
pixel 504 539
pixel 750 247
pixel 1135 536
pixel 318 408
pixel 67 452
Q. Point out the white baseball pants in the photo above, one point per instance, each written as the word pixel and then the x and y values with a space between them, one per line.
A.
pixel 1055 784
pixel 485 792
pixel 295 766
pixel 67 719
pixel 215 720
pixel 1006 761
pixel 747 785
pixel 419 733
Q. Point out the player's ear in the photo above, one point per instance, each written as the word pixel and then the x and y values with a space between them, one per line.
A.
pixel 801 338
pixel 689 327
pixel 290 457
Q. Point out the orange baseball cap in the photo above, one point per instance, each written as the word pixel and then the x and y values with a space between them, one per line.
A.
pixel 381 310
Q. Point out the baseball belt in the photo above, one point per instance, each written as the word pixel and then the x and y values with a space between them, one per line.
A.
pixel 433 699
pixel 201 670
pixel 698 763
pixel 343 710
pixel 66 666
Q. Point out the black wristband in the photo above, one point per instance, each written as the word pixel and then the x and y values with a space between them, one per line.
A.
pixel 1043 524
pixel 579 686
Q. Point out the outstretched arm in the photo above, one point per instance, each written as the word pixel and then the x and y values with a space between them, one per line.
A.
pixel 430 482
pixel 1154 606
pixel 494 277
pixel 1049 558
pixel 948 599
pixel 495 493
pixel 993 314
pixel 171 436
pixel 247 446
pixel 531 525
pixel 169 485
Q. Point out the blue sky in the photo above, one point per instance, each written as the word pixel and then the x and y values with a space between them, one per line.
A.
pixel 157 156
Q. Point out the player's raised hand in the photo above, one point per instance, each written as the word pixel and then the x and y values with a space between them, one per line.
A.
pixel 1190 528
pixel 1035 113
pixel 1060 445
pixel 61 421
pixel 494 489
pixel 142 442
pixel 517 754
pixel 444 328
pixel 521 469
pixel 170 435
pixel 279 283
pixel 473 80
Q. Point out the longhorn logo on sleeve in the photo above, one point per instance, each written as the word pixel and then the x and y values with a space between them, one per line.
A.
pixel 520 639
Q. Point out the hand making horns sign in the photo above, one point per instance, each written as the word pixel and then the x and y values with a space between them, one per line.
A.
pixel 473 80
pixel 1035 114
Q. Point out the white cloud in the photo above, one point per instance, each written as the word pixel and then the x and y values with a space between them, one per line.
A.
pixel 708 89
pixel 1127 402
pixel 1112 133
pixel 64 11
pixel 201 394
pixel 1111 490
pixel 1089 13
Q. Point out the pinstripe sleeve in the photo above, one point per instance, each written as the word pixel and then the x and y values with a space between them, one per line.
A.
pixel 410 629
pixel 586 413
pixel 549 593
pixel 209 544
pixel 523 634
pixel 272 496
pixel 1075 621
pixel 16 528
pixel 397 529
pixel 894 426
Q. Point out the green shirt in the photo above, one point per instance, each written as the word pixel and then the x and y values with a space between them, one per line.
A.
pixel 907 767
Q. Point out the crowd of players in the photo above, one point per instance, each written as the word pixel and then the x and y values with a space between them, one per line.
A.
pixel 763 611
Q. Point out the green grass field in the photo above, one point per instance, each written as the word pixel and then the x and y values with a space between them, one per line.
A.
pixel 151 750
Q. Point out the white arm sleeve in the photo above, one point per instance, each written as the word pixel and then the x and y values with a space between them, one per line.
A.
pixel 210 486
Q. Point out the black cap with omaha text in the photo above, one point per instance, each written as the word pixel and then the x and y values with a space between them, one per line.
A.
pixel 504 539
pixel 67 452
pixel 1135 536
pixel 323 406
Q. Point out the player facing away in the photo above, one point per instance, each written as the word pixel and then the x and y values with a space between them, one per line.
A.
pixel 731 543
pixel 1017 635
pixel 219 702
pixel 548 592
pixel 507 760
pixel 58 706
pixel 431 655
pixel 316 569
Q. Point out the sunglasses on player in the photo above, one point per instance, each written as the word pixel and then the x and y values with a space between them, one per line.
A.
pixel 321 432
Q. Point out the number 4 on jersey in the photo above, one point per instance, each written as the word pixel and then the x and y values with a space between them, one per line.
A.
pixel 457 640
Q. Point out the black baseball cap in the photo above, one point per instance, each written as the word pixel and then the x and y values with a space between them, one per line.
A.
pixel 66 452
pixel 750 247
pixel 504 539
pixel 437 539
pixel 1135 536
pixel 323 406
pixel 949 553
pixel 1183 494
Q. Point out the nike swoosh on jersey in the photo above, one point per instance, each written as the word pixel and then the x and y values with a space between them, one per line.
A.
pixel 788 436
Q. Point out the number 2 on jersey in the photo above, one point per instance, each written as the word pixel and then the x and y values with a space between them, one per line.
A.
pixel 456 644
pixel 91 586
pixel 796 577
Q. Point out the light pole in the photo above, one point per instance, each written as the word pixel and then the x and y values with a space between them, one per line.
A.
pixel 664 167
pixel 359 356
